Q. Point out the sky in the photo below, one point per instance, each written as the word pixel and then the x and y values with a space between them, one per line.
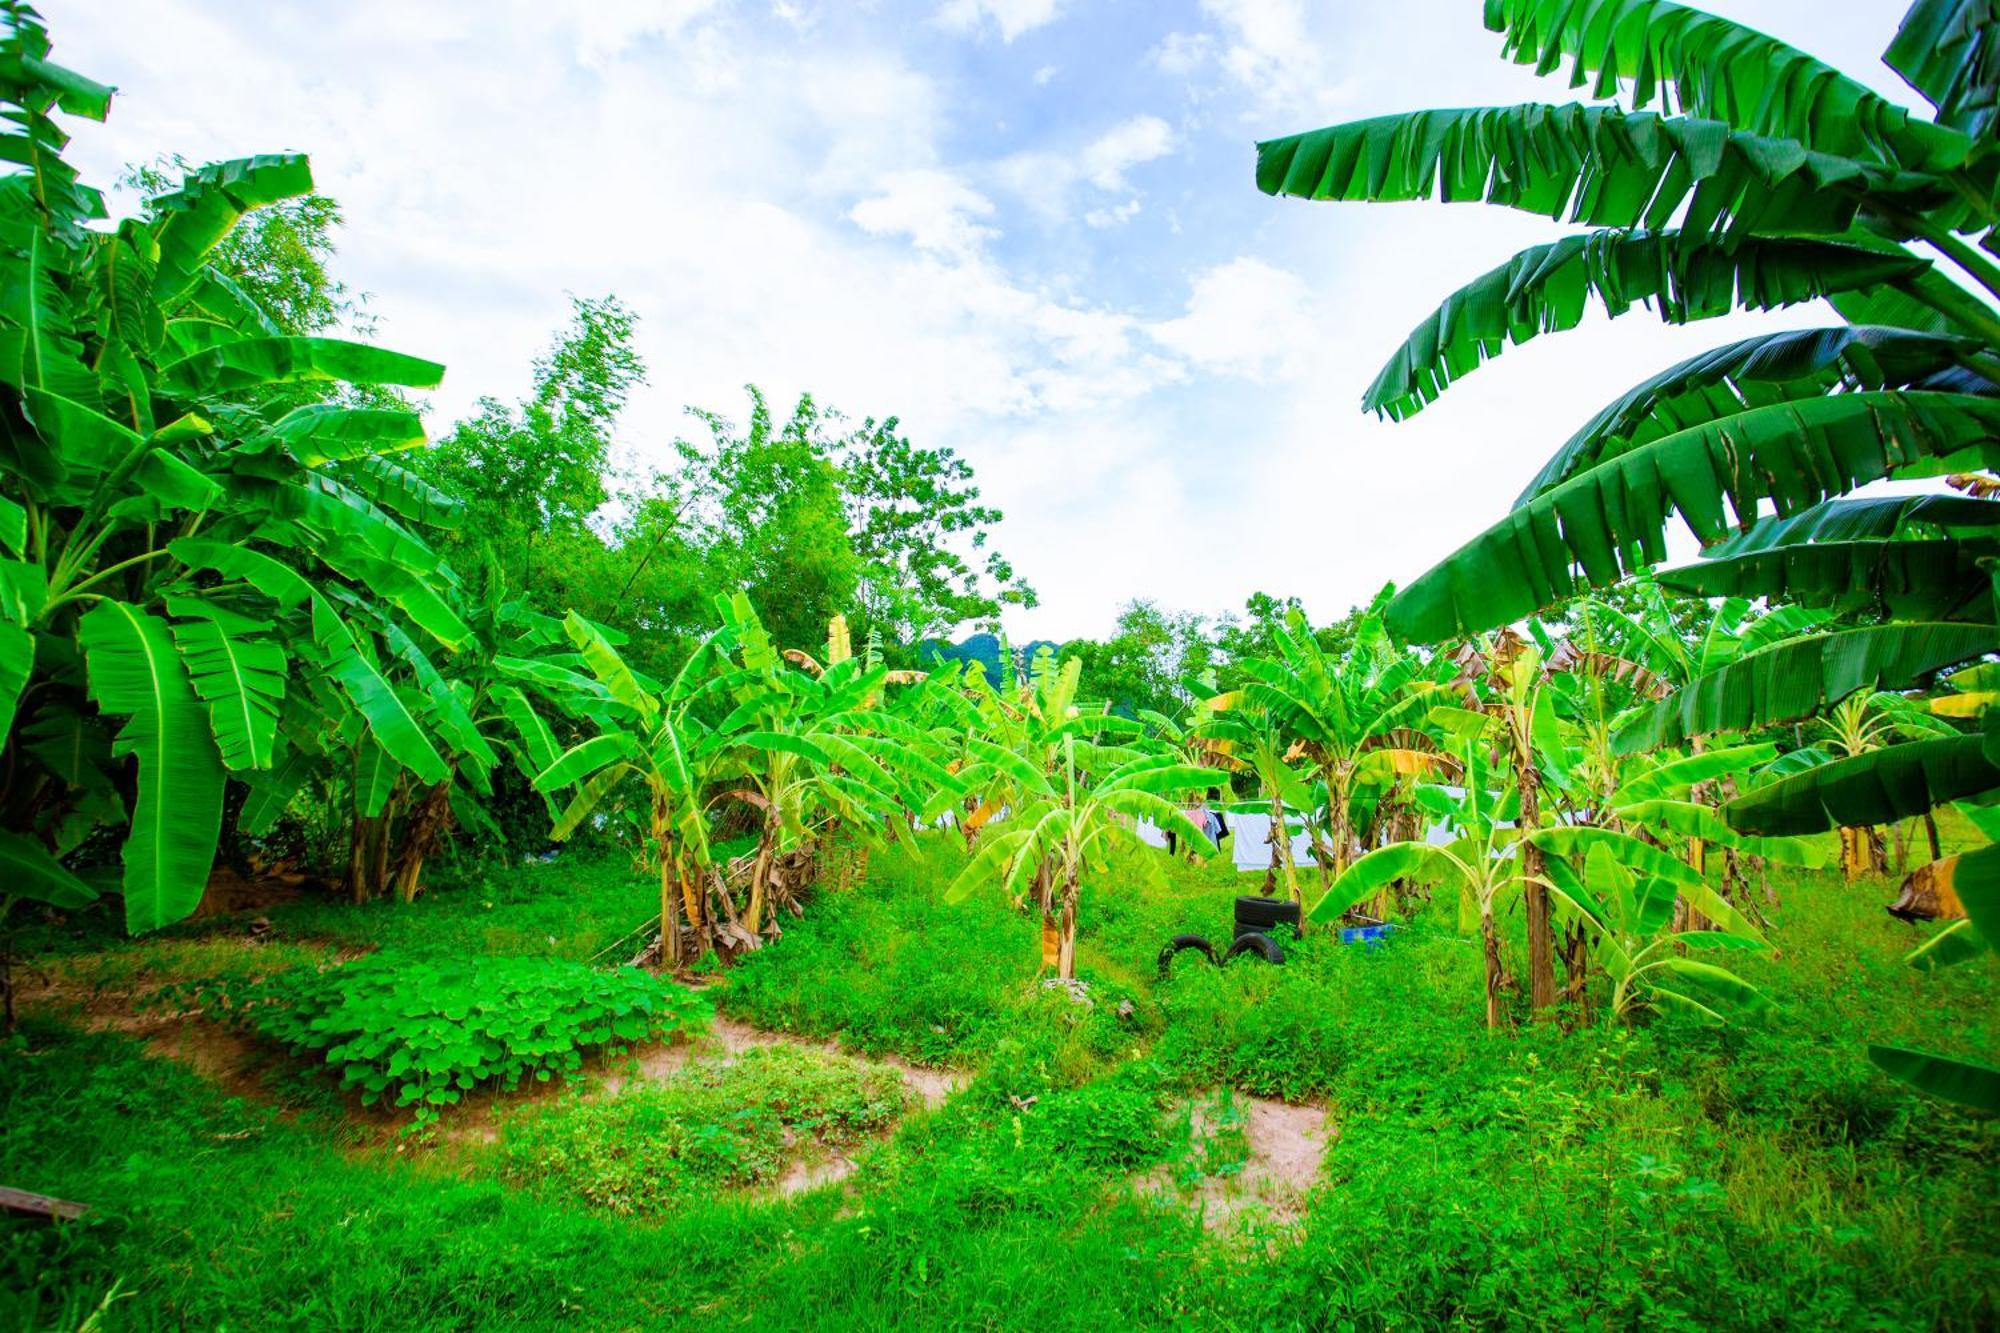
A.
pixel 1027 228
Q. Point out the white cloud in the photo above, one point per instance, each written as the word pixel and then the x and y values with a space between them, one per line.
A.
pixel 1182 53
pixel 1126 145
pixel 1047 180
pixel 1244 318
pixel 1115 216
pixel 605 29
pixel 1046 74
pixel 1011 17
pixel 1271 51
pixel 935 209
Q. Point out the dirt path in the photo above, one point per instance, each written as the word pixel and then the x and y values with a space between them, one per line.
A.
pixel 730 1037
pixel 1283 1147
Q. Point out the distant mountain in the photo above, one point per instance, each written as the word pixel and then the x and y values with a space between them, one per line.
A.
pixel 983 649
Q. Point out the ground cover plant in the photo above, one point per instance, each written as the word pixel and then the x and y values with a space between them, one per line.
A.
pixel 426 774
pixel 420 1031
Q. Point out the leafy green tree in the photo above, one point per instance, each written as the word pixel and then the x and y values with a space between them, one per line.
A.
pixel 533 474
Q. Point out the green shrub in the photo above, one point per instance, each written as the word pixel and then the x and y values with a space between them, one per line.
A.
pixel 651 1149
pixel 425 1030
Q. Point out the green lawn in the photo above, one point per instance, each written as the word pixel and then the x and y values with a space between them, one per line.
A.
pixel 1670 1175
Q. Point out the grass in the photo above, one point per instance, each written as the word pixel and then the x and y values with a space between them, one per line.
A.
pixel 712 1125
pixel 1669 1175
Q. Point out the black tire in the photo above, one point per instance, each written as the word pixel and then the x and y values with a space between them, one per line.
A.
pixel 1179 943
pixel 1258 943
pixel 1262 914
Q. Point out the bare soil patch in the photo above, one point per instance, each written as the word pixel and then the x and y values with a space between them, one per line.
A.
pixel 1271 1171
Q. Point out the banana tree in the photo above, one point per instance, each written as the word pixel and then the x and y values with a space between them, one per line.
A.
pixel 1744 200
pixel 1630 911
pixel 1346 713
pixel 1482 862
pixel 187 528
pixel 1070 820
pixel 1255 738
pixel 654 738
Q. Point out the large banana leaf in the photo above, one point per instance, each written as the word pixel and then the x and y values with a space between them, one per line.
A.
pixel 403 492
pixel 271 791
pixel 241 679
pixel 1877 787
pixel 134 672
pixel 610 669
pixel 1598 165
pixel 1708 66
pixel 251 362
pixel 1960 1081
pixel 1874 518
pixel 325 432
pixel 1372 873
pixel 1611 520
pixel 1547 289
pixel 1755 372
pixel 1795 679
pixel 209 204
pixel 583 759
pixel 17 660
pixel 42 351
pixel 1919 580
pixel 389 720
pixel 28 871
pixel 275 579
pixel 1949 50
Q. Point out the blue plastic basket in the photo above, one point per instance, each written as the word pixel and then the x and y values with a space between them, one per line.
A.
pixel 1372 936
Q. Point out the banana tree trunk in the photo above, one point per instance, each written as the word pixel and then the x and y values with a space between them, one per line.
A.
pixel 1541 930
pixel 427 822
pixel 760 874
pixel 1066 938
pixel 1490 940
pixel 670 899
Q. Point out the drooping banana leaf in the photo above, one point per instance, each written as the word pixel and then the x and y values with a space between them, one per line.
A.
pixel 271 791
pixel 1547 289
pixel 583 759
pixel 241 681
pixel 209 204
pixel 1875 518
pixel 1611 520
pixel 135 673
pixel 1959 942
pixel 388 719
pixel 43 351
pixel 1916 580
pixel 249 363
pixel 1755 372
pixel 1877 787
pixel 1603 166
pixel 1707 66
pixel 403 492
pixel 1959 1081
pixel 375 777
pixel 1949 50
pixel 324 432
pixel 609 668
pixel 17 660
pixel 275 579
pixel 28 871
pixel 1796 678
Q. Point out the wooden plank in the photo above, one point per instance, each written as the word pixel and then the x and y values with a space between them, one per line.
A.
pixel 24 1204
